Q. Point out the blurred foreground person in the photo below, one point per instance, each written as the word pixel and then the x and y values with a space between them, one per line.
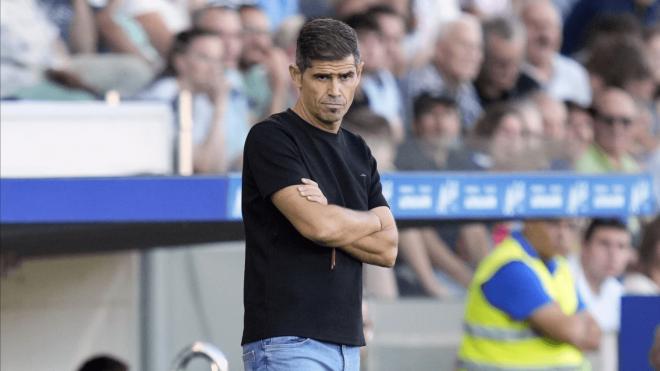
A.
pixel 523 311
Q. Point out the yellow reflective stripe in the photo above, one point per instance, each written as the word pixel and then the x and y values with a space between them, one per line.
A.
pixel 494 333
pixel 466 365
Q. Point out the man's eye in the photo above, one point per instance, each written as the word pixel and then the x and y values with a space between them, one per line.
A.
pixel 321 77
pixel 347 76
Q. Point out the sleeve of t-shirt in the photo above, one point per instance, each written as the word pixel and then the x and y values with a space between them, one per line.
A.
pixel 273 159
pixel 581 306
pixel 515 290
pixel 376 197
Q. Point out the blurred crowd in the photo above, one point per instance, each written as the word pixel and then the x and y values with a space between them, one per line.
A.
pixel 476 85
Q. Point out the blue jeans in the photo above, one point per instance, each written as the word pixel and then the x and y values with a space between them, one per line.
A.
pixel 293 353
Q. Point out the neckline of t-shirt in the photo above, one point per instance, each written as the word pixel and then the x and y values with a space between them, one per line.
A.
pixel 313 129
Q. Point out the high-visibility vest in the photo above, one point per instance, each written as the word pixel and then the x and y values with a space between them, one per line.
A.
pixel 493 341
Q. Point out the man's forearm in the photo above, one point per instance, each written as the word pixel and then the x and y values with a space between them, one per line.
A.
pixel 379 248
pixel 344 226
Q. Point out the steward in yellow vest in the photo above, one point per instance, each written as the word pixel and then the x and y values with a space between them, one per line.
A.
pixel 523 311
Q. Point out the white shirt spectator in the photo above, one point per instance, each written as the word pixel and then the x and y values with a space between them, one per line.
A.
pixel 167 89
pixel 569 81
pixel 604 306
pixel 639 284
pixel 29 45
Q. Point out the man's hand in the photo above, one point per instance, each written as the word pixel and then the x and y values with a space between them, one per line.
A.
pixel 311 191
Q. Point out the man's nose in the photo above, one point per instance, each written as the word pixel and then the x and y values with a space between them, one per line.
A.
pixel 333 88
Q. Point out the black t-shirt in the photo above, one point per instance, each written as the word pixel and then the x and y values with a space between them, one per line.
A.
pixel 289 287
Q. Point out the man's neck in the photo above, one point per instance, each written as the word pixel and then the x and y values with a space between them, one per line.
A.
pixel 593 282
pixel 300 110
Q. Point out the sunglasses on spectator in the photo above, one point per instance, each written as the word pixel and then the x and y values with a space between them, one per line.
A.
pixel 610 120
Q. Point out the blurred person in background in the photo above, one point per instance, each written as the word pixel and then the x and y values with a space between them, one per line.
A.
pixel 195 64
pixel 226 22
pixel 585 12
pixel 523 310
pixel 579 131
pixel 625 63
pixel 392 27
pixel 553 141
pixel 37 63
pixel 143 28
pixel 614 113
pixel 264 66
pixel 500 78
pixel 605 253
pixel 562 77
pixel 457 59
pixel 644 279
pixel 502 140
pixel 439 256
pixel 378 84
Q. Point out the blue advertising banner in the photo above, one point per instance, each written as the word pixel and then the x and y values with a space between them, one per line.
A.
pixel 419 196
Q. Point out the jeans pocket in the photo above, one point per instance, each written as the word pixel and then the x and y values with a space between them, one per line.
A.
pixel 285 342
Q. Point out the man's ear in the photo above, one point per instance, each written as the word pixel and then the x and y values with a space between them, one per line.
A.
pixel 359 69
pixel 296 75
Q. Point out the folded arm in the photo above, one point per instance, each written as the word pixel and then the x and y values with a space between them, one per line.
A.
pixel 377 248
pixel 328 225
pixel 579 329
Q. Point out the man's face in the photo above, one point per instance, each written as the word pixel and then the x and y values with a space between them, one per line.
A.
pixel 440 122
pixel 613 120
pixel 393 30
pixel 543 32
pixel 502 61
pixel 256 36
pixel 606 253
pixel 372 51
pixel 327 89
pixel 201 62
pixel 550 237
pixel 460 52
pixel 227 24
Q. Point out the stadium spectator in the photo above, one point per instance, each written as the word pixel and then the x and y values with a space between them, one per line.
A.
pixel 264 66
pixel 645 277
pixel 226 22
pixel 36 63
pixel 585 12
pixel 554 115
pixel 500 78
pixel 195 64
pixel 75 21
pixel 456 62
pixel 438 255
pixel 499 140
pixel 378 84
pixel 605 253
pixel 522 310
pixel 143 28
pixel 562 77
pixel 393 30
pixel 579 132
pixel 614 114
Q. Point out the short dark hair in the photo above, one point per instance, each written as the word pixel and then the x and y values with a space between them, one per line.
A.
pixel 181 44
pixel 604 223
pixel 325 39
pixel 491 119
pixel 103 363
pixel 425 102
